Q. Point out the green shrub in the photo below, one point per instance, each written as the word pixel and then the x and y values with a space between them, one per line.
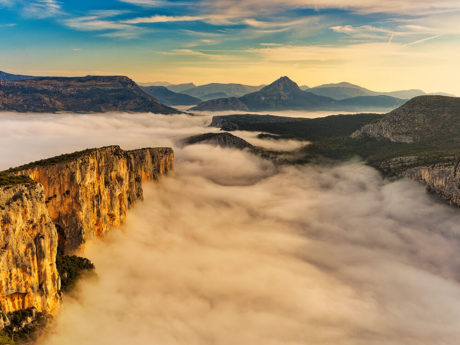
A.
pixel 71 268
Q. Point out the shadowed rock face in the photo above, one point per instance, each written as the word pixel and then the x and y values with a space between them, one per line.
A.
pixel 71 199
pixel 85 94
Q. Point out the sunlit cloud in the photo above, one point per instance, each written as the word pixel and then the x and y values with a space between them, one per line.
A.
pixel 249 7
pixel 163 19
pixel 153 3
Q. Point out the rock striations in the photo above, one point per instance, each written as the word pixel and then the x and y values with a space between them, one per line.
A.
pixel 28 250
pixel 71 199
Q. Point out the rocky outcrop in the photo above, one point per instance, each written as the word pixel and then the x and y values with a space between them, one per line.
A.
pixel 441 176
pixel 65 201
pixel 429 119
pixel 29 241
pixel 80 94
pixel 226 140
pixel 89 192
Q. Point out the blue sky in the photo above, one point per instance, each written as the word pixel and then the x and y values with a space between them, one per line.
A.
pixel 382 45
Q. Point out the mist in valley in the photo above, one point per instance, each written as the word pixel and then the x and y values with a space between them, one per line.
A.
pixel 231 249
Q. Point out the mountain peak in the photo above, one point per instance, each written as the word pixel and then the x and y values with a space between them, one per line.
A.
pixel 283 84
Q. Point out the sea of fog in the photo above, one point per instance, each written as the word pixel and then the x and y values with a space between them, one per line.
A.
pixel 230 249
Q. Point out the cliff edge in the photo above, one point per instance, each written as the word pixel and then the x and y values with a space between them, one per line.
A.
pixel 54 206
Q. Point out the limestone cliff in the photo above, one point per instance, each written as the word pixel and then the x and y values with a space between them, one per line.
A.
pixel 29 241
pixel 89 192
pixel 441 177
pixel 67 200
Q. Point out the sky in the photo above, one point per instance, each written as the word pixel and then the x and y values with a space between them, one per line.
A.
pixel 382 45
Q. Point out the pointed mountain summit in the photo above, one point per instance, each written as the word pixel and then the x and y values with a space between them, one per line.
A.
pixel 282 85
pixel 284 94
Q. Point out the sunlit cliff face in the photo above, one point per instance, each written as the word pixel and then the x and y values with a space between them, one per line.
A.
pixel 233 250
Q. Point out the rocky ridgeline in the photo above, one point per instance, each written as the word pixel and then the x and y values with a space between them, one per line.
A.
pixel 430 125
pixel 441 176
pixel 80 94
pixel 69 199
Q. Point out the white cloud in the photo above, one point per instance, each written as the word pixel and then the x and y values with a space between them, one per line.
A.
pixel 42 8
pixel 94 23
pixel 163 19
pixel 151 3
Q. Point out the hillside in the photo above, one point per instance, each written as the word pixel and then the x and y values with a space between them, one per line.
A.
pixel 80 94
pixel 424 119
pixel 169 97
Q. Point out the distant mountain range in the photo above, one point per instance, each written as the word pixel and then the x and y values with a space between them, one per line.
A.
pixel 215 90
pixel 337 91
pixel 284 94
pixel 80 94
pixel 169 97
pixel 345 90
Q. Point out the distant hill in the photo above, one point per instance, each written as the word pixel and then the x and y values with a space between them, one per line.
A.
pixel 219 104
pixel 169 97
pixel 214 95
pixel 10 77
pixel 155 83
pixel 345 90
pixel 81 94
pixel 424 119
pixel 206 92
pixel 284 94
pixel 376 102
pixel 180 87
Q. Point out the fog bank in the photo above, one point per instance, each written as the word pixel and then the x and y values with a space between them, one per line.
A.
pixel 233 250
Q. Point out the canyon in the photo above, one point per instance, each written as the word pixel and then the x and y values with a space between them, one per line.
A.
pixel 61 204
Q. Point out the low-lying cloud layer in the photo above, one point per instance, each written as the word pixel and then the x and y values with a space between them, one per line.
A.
pixel 233 250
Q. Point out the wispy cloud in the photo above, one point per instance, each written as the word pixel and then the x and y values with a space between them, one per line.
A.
pixel 163 19
pixel 94 23
pixel 274 24
pixel 153 3
pixel 42 8
pixel 103 21
pixel 423 40
pixel 249 7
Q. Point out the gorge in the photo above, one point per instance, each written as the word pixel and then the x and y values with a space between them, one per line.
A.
pixel 60 204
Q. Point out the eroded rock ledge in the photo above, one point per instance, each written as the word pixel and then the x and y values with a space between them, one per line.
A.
pixel 69 199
